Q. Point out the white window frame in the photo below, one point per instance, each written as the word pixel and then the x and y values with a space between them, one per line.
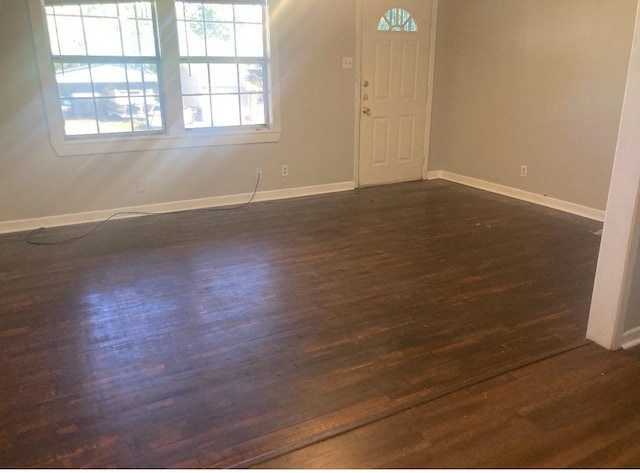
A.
pixel 175 134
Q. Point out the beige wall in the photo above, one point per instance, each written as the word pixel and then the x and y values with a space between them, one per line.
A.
pixel 535 82
pixel 317 124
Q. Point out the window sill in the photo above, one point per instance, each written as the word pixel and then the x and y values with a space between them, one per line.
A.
pixel 93 146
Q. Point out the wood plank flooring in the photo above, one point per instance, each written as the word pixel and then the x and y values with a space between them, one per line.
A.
pixel 222 338
pixel 576 410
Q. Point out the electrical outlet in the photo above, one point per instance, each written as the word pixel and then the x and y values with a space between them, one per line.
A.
pixel 285 170
pixel 523 171
pixel 140 185
pixel 347 63
pixel 259 174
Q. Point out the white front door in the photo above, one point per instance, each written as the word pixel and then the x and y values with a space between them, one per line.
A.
pixel 395 71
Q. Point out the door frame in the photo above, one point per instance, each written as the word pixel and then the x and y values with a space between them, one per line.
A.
pixel 358 88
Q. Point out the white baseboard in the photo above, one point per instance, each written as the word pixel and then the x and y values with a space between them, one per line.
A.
pixel 99 215
pixel 538 199
pixel 631 338
pixel 222 201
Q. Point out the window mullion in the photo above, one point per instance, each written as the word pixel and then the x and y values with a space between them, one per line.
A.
pixel 106 59
pixel 55 22
pixel 90 69
pixel 266 68
pixel 170 67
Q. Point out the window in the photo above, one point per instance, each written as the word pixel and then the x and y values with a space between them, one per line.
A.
pixel 121 75
pixel 105 58
pixel 397 19
pixel 222 63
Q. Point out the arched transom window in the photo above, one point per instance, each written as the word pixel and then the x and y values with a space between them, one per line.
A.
pixel 397 19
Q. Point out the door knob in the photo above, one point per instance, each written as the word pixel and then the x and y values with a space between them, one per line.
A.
pixel 366 111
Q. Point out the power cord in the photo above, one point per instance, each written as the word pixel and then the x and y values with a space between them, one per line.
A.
pixel 29 238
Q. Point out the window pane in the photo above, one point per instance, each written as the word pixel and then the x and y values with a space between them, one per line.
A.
pixel 182 39
pixel 249 41
pixel 189 11
pixel 70 35
pixel 154 114
pixel 197 111
pixel 53 33
pixel 113 115
pixel 139 113
pixel 224 78
pixel 150 78
pixel 252 109
pixel 74 80
pixel 79 116
pixel 141 11
pixel 220 39
pixel 194 79
pixel 147 113
pixel 103 36
pixel 145 95
pixel 213 12
pixel 191 38
pixel 134 74
pixel 196 106
pixel 138 39
pixel 248 13
pixel 108 77
pixel 397 19
pixel 226 110
pixel 111 89
pixel 251 77
pixel 180 11
pixel 72 10
pixel 100 10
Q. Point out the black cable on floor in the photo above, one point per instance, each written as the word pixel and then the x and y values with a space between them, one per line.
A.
pixel 30 236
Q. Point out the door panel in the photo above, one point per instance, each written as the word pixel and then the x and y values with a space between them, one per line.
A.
pixel 406 138
pixel 395 71
pixel 382 68
pixel 380 141
pixel 409 70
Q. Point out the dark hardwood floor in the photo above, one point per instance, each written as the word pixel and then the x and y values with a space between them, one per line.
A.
pixel 576 410
pixel 264 334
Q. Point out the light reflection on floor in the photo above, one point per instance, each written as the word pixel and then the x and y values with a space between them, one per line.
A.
pixel 130 315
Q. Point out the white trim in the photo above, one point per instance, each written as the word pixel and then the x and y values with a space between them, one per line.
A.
pixel 614 276
pixel 221 201
pixel 87 147
pixel 526 196
pixel 304 191
pixel 627 282
pixel 631 338
pixel 609 303
pixel 357 94
pixel 430 82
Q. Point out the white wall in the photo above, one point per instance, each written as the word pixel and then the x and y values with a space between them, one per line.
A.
pixel 534 82
pixel 317 123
